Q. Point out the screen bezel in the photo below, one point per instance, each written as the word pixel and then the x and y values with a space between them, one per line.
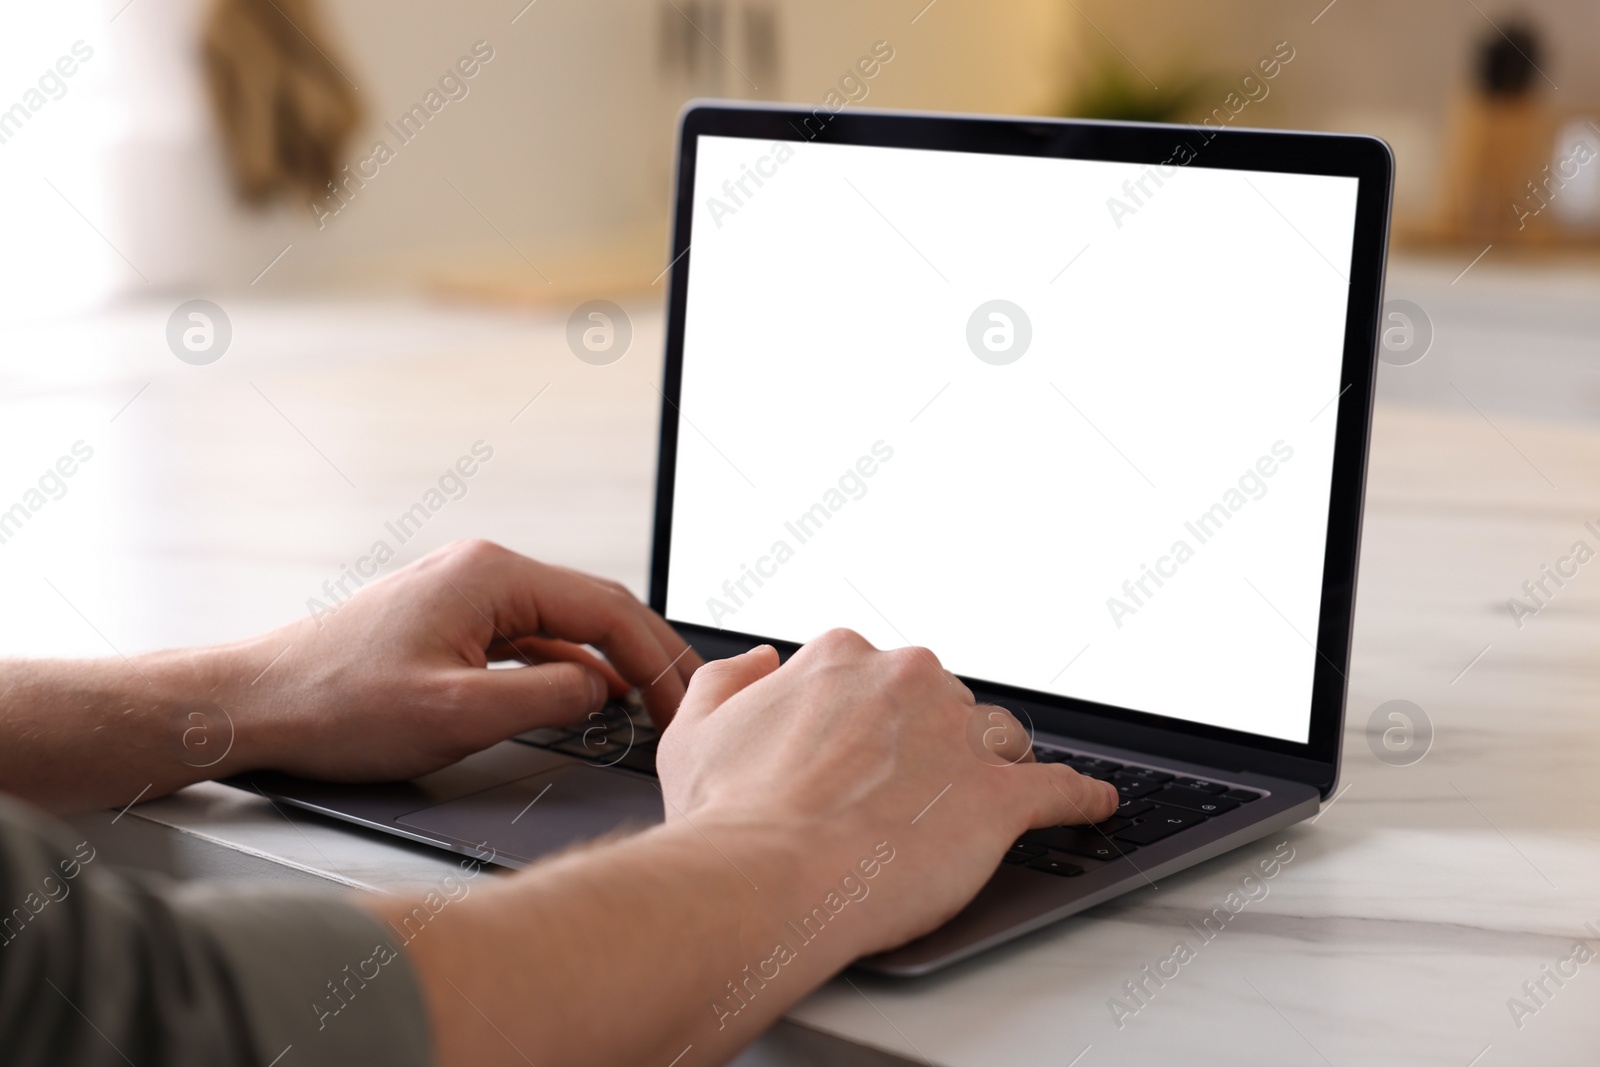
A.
pixel 1316 761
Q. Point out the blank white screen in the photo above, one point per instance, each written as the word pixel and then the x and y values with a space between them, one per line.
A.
pixel 1198 330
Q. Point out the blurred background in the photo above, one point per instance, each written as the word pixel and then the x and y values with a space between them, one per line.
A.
pixel 397 205
pixel 123 183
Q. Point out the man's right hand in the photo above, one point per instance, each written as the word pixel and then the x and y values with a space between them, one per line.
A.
pixel 835 806
pixel 844 747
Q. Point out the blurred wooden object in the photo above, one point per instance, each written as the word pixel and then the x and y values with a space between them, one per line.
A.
pixel 1517 170
pixel 285 107
pixel 1496 149
pixel 1520 175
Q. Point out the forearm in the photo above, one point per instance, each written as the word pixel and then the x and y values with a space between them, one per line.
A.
pixel 633 951
pixel 77 735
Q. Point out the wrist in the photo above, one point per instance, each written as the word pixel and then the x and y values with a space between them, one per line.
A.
pixel 804 884
pixel 746 918
pixel 84 734
pixel 202 706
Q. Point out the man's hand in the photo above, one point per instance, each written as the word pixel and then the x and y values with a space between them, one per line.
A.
pixel 393 684
pixel 846 746
pixel 390 685
pixel 784 786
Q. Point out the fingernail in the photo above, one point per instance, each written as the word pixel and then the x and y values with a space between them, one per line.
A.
pixel 597 691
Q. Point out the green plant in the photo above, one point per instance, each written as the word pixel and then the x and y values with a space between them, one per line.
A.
pixel 1114 89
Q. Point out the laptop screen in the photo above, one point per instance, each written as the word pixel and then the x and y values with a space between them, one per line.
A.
pixel 1068 423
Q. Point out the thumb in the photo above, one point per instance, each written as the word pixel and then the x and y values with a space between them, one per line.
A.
pixel 499 703
pixel 713 684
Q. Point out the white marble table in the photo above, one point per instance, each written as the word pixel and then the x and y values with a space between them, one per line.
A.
pixel 1416 905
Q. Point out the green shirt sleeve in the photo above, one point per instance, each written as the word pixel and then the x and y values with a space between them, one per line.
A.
pixel 99 968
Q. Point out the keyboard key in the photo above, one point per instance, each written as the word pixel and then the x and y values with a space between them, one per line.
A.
pixel 639 758
pixel 1051 865
pixel 1132 788
pixel 1049 755
pixel 1077 840
pixel 1202 785
pixel 1158 824
pixel 638 735
pixel 592 744
pixel 1053 836
pixel 1099 848
pixel 1093 766
pixel 1130 808
pixel 1062 838
pixel 1147 774
pixel 544 735
pixel 615 720
pixel 610 715
pixel 1049 836
pixel 1024 852
pixel 1194 800
pixel 1243 796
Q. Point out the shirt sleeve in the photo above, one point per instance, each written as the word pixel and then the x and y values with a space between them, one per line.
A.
pixel 99 968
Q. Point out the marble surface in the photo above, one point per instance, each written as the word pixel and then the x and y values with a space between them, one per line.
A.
pixel 1417 904
pixel 1420 900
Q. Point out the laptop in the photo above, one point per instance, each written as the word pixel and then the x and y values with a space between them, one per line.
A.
pixel 1083 407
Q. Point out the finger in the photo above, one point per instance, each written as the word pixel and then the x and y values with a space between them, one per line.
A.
pixel 532 599
pixel 664 690
pixel 720 679
pixel 550 650
pixel 1053 794
pixel 1002 735
pixel 961 688
pixel 926 654
pixel 685 659
pixel 491 706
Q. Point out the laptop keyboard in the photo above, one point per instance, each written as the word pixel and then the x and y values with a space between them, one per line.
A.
pixel 1155 805
pixel 618 735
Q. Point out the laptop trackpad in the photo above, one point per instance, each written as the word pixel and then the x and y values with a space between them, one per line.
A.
pixel 544 813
